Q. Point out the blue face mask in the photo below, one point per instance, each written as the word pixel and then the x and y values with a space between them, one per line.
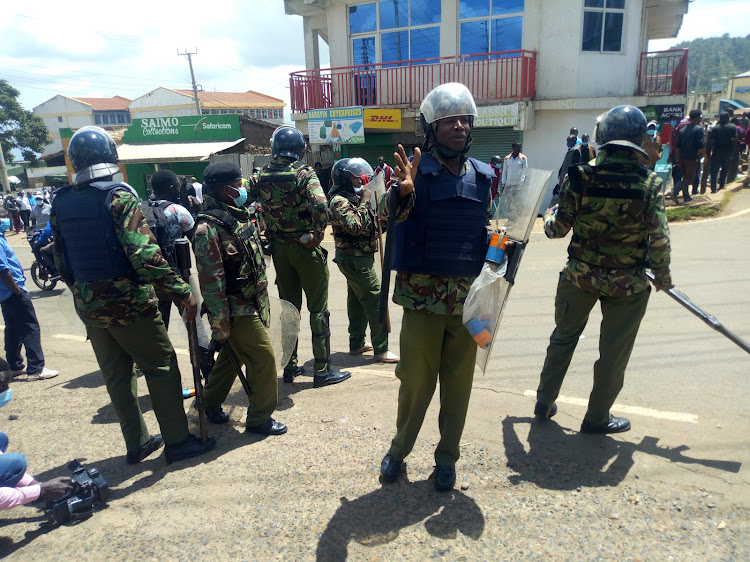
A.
pixel 241 198
pixel 5 397
pixel 571 144
pixel 651 132
pixel 4 224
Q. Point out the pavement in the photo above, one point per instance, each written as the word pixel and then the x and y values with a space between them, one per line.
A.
pixel 677 486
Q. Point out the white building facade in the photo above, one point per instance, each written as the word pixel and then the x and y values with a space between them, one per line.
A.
pixel 561 63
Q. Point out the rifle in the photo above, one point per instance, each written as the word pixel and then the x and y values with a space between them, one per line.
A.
pixel 681 298
pixel 182 254
pixel 237 367
pixel 390 240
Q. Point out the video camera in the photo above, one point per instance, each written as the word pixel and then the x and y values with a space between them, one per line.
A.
pixel 89 487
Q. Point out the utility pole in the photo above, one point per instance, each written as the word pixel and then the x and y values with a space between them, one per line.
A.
pixel 192 77
pixel 3 173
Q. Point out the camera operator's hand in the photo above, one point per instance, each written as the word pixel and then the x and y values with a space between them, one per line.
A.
pixel 189 308
pixel 55 488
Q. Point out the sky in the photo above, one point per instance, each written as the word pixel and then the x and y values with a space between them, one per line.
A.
pixel 83 49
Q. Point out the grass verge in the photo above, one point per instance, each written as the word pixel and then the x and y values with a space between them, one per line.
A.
pixel 676 214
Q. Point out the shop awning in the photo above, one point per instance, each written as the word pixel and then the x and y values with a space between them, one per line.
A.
pixel 171 152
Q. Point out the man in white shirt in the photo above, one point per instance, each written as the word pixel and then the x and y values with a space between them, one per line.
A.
pixel 198 187
pixel 514 167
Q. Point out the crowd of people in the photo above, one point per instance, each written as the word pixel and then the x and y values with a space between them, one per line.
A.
pixel 112 250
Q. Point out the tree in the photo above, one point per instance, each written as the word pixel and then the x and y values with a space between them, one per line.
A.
pixel 20 129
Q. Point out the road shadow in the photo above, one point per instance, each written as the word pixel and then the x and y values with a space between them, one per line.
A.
pixel 342 360
pixel 378 517
pixel 94 379
pixel 558 459
pixel 106 414
pixel 41 294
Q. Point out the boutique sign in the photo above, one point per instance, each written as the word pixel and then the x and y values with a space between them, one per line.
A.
pixel 188 128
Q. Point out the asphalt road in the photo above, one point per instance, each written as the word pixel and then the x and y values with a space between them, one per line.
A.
pixel 676 485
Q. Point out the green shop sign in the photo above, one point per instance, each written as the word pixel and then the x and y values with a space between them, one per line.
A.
pixel 183 129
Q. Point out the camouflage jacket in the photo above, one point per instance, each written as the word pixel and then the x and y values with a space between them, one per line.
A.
pixel 353 222
pixel 616 212
pixel 433 293
pixel 291 198
pixel 214 247
pixel 122 301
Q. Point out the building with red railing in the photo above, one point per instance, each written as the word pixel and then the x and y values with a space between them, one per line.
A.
pixel 535 67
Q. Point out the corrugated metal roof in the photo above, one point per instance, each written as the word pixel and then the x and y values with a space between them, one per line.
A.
pixel 171 152
pixel 116 103
pixel 743 75
pixel 249 99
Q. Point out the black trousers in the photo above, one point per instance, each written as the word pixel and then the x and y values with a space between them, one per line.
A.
pixel 22 329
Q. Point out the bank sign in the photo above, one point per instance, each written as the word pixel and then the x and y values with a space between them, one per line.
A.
pixel 343 125
pixel 183 129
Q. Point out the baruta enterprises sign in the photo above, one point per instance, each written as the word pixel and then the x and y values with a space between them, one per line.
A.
pixel 183 129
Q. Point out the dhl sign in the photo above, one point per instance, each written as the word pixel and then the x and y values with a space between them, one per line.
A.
pixel 382 118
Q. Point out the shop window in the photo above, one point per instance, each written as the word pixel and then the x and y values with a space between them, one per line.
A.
pixel 121 118
pixel 602 25
pixel 59 119
pixel 490 26
pixel 394 31
pixel 97 119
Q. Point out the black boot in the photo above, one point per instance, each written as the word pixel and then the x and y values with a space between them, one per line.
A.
pixel 329 378
pixel 290 373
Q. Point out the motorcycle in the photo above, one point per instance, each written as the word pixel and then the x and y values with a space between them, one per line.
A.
pixel 43 271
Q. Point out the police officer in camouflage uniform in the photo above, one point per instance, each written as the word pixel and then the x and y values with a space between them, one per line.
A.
pixel 232 274
pixel 616 211
pixel 109 258
pixel 440 245
pixel 295 210
pixel 356 235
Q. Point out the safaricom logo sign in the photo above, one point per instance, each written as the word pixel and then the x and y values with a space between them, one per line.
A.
pixel 206 126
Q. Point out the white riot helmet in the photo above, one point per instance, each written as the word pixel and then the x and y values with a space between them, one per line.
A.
pixel 446 100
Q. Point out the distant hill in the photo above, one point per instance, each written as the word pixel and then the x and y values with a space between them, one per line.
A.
pixel 715 59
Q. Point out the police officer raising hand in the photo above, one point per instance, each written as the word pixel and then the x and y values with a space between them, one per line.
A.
pixel 405 170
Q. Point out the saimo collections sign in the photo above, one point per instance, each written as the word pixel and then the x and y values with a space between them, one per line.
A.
pixel 343 125
pixel 183 129
pixel 497 115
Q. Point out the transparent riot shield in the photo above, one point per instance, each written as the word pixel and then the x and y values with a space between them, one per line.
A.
pixel 514 218
pixel 283 326
pixel 67 308
pixel 283 330
pixel 377 189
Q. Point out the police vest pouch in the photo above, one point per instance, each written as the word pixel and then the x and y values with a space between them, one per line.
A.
pixel 623 244
pixel 244 277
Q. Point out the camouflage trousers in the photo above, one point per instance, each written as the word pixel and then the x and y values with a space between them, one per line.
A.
pixel 146 343
pixel 621 318
pixel 250 342
pixel 433 347
pixel 362 299
pixel 298 269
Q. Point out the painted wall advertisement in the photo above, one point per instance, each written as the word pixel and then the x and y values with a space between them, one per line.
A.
pixel 183 129
pixel 343 125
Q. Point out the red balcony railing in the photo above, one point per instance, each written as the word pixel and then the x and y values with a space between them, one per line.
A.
pixel 500 76
pixel 663 73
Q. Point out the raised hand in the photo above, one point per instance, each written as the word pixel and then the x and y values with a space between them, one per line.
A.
pixel 406 171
